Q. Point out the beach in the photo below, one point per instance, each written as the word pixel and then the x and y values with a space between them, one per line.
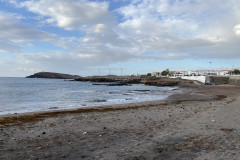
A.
pixel 200 123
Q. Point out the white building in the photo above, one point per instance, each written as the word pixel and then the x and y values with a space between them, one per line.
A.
pixel 195 73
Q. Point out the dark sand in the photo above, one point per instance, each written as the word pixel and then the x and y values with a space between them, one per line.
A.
pixel 202 123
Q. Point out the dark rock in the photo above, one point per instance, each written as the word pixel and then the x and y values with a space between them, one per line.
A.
pixel 159 149
pixel 114 92
pixel 133 81
pixel 142 90
pixel 119 81
pixel 99 100
pixel 93 79
pixel 53 108
pixel 227 129
pixel 118 84
pixel 161 82
pixel 52 75
pixel 99 84
pixel 137 158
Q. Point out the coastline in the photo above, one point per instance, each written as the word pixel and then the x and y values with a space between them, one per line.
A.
pixel 54 94
pixel 186 125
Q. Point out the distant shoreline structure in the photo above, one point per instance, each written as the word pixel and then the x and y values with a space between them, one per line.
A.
pixel 195 73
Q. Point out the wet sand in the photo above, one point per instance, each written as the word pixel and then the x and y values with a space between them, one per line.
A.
pixel 201 123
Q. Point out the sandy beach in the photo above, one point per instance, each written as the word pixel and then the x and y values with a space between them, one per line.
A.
pixel 201 123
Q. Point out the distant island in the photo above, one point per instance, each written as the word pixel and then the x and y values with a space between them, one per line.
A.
pixel 53 75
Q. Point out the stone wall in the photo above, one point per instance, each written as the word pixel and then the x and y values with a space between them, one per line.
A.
pixel 218 79
pixel 234 80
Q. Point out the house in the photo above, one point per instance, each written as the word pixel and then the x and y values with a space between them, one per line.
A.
pixel 225 72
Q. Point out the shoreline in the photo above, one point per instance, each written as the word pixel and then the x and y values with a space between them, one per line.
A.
pixel 101 106
pixel 14 119
pixel 83 95
pixel 186 94
pixel 199 124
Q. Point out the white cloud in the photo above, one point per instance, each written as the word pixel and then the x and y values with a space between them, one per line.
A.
pixel 69 14
pixel 177 27
pixel 6 46
pixel 147 26
pixel 237 30
pixel 11 29
pixel 14 35
pixel 99 28
pixel 145 29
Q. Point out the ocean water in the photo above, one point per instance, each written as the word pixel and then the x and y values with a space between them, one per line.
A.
pixel 20 95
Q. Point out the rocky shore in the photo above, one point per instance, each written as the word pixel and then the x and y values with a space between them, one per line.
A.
pixel 116 80
pixel 201 123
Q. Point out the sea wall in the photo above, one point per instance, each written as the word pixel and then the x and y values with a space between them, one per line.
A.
pixel 218 79
pixel 234 80
pixel 195 78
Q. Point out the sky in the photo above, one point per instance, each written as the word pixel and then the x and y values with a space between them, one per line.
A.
pixel 100 37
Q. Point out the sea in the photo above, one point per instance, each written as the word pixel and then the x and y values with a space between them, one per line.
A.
pixel 22 95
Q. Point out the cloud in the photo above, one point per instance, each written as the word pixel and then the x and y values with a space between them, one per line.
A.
pixel 237 30
pixel 181 27
pixel 99 28
pixel 74 61
pixel 11 29
pixel 7 47
pixel 12 34
pixel 70 14
pixel 141 29
pixel 15 35
pixel 147 25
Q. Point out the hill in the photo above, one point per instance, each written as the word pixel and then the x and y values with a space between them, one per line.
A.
pixel 53 75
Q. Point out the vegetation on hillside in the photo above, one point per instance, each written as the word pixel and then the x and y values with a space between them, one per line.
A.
pixel 165 72
pixel 236 71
